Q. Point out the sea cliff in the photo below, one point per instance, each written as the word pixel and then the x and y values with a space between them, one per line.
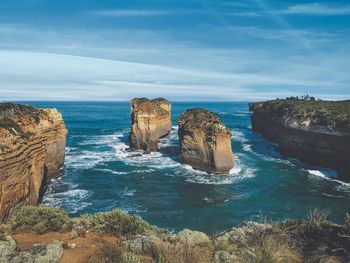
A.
pixel 32 152
pixel 316 132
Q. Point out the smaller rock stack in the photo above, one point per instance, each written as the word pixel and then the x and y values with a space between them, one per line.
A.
pixel 205 142
pixel 150 120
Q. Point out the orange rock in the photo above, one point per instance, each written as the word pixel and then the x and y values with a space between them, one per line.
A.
pixel 32 152
pixel 150 120
pixel 205 142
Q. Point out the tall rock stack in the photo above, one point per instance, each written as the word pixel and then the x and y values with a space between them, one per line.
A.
pixel 32 150
pixel 150 121
pixel 205 142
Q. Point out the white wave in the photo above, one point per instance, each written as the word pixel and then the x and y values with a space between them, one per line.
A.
pixel 247 147
pixel 75 199
pixel 238 136
pixel 112 171
pixel 170 140
pixel 236 169
pixel 86 159
pixel 328 174
pixel 138 158
pixel 128 192
pixel 100 139
pixel 237 173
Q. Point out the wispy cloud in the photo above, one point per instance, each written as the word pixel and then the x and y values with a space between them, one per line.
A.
pixel 246 14
pixel 317 9
pixel 130 13
pixel 37 75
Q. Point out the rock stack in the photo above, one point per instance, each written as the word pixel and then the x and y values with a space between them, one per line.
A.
pixel 32 150
pixel 205 142
pixel 150 121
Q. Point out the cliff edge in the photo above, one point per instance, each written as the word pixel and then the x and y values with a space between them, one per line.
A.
pixel 316 132
pixel 32 152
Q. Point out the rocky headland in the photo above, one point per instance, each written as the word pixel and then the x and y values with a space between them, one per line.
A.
pixel 38 234
pixel 150 121
pixel 32 150
pixel 316 132
pixel 205 142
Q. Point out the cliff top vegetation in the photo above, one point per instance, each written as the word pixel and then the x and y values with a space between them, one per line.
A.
pixel 333 115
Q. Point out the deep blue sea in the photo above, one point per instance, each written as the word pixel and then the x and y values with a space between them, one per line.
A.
pixel 100 174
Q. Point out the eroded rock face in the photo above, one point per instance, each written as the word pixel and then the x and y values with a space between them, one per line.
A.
pixel 150 120
pixel 205 142
pixel 32 150
pixel 316 132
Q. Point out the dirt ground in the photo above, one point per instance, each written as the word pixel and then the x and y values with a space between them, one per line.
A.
pixel 76 250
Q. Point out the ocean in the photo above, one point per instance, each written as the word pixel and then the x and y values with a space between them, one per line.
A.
pixel 100 173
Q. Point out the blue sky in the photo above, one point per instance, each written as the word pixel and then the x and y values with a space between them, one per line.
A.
pixel 178 49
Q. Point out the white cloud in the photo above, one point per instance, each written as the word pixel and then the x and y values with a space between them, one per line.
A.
pixel 317 9
pixel 34 75
pixel 130 13
pixel 246 14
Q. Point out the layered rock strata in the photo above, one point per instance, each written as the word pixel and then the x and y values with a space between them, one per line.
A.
pixel 316 132
pixel 150 121
pixel 32 150
pixel 205 142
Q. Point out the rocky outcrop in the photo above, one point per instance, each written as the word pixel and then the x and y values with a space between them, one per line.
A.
pixel 150 121
pixel 316 132
pixel 205 142
pixel 32 152
pixel 10 252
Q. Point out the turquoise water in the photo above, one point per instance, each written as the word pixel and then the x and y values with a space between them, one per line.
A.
pixel 100 174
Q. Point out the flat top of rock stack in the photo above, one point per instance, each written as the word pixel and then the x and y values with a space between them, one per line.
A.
pixel 202 119
pixel 20 122
pixel 150 106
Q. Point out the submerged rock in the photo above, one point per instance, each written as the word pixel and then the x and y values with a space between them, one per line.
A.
pixel 205 142
pixel 150 120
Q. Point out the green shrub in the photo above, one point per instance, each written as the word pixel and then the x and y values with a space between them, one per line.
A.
pixel 40 219
pixel 117 222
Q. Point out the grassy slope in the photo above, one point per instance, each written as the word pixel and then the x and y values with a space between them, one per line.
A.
pixel 314 239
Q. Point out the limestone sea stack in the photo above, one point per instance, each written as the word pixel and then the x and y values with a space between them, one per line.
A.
pixel 32 150
pixel 150 121
pixel 315 132
pixel 205 142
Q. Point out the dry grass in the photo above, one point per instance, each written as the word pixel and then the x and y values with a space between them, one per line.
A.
pixel 177 252
pixel 347 221
pixel 317 218
pixel 111 253
pixel 269 248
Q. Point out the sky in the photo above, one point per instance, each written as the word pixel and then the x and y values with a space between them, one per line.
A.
pixel 189 50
